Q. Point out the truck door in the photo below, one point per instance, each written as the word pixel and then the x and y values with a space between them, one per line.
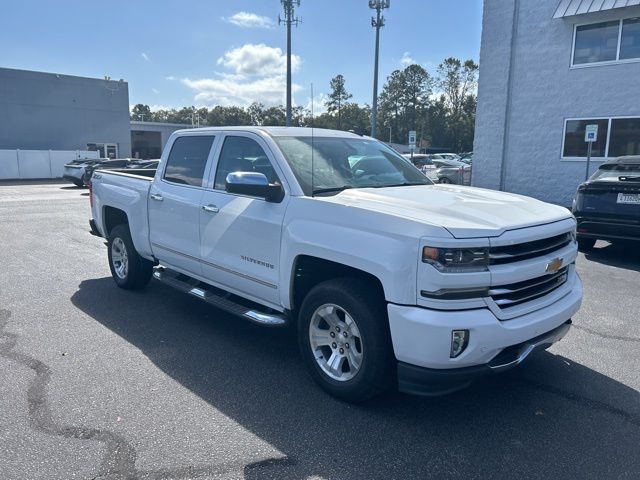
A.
pixel 174 204
pixel 240 235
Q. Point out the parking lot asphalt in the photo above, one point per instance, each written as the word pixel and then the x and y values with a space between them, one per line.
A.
pixel 97 382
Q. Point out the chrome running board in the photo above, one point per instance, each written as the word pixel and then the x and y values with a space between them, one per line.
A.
pixel 220 299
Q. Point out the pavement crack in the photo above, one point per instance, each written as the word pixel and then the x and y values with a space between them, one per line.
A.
pixel 604 335
pixel 119 457
pixel 118 461
pixel 585 401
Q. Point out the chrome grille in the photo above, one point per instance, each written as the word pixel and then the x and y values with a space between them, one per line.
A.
pixel 507 296
pixel 523 251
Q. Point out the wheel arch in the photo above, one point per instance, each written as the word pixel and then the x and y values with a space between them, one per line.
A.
pixel 112 217
pixel 308 271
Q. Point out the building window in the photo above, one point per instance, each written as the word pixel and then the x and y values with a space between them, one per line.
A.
pixel 574 132
pixel 630 39
pixel 614 41
pixel 625 137
pixel 617 137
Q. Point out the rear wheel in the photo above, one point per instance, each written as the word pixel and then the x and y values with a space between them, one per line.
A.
pixel 344 339
pixel 586 244
pixel 128 269
pixel 445 180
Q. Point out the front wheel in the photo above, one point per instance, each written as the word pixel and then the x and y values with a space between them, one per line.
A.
pixel 445 180
pixel 345 341
pixel 128 269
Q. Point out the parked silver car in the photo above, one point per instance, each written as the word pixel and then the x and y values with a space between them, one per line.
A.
pixel 75 171
pixel 441 170
pixel 453 171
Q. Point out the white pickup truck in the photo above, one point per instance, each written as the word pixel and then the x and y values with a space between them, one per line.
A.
pixel 388 278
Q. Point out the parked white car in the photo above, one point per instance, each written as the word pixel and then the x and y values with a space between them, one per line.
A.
pixel 388 278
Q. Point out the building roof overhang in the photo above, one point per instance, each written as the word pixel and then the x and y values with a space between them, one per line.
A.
pixel 570 8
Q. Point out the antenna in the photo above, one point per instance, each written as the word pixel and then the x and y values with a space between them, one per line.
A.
pixel 289 19
pixel 312 145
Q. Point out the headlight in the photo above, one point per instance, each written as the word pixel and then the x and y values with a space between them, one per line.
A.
pixel 457 260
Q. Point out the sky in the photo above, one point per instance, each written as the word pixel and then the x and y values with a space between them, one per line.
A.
pixel 233 52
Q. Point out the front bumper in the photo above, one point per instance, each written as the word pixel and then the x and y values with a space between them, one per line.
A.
pixel 421 337
pixel 431 382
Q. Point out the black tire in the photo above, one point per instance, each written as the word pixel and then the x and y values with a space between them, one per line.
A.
pixel 445 180
pixel 138 271
pixel 79 183
pixel 586 244
pixel 367 307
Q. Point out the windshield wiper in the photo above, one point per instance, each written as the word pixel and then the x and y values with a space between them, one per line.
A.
pixel 332 189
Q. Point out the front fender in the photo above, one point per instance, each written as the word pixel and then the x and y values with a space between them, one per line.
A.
pixel 390 258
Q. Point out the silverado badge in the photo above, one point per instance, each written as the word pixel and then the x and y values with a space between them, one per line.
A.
pixel 554 265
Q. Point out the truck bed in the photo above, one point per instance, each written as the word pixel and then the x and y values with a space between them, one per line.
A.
pixel 126 190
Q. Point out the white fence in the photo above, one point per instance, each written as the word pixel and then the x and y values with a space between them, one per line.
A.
pixel 32 164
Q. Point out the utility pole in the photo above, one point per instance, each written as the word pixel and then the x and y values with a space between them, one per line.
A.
pixel 289 19
pixel 377 22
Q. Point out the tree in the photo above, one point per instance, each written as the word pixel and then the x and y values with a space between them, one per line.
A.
pixel 275 116
pixel 141 113
pixel 337 97
pixel 256 112
pixel 404 100
pixel 390 104
pixel 458 81
pixel 220 116
pixel 356 118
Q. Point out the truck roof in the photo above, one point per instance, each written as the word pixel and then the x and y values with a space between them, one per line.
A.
pixel 278 131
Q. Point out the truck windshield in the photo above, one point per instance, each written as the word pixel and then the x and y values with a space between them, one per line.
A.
pixel 342 163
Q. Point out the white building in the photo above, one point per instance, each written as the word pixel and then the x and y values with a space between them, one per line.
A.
pixel 548 68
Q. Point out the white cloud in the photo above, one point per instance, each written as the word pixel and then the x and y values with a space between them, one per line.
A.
pixel 233 90
pixel 155 108
pixel 249 20
pixel 257 74
pixel 258 59
pixel 406 59
pixel 318 104
pixel 145 57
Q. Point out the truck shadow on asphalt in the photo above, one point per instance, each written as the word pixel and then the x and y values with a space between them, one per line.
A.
pixel 552 417
pixel 624 255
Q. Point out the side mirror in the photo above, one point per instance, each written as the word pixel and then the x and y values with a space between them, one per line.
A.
pixel 254 184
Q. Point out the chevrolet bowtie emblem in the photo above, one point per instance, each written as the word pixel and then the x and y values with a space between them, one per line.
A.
pixel 554 265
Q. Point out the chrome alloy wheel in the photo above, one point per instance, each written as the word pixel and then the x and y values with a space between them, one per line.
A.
pixel 119 257
pixel 335 342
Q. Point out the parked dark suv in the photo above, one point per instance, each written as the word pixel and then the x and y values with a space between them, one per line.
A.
pixel 607 206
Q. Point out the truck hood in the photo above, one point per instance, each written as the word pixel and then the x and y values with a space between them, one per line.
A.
pixel 466 212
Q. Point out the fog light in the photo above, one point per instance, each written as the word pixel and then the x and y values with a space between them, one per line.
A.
pixel 459 342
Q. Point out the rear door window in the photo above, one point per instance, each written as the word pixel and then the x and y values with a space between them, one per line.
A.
pixel 188 159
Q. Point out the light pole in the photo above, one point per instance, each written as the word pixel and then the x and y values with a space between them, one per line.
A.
pixel 377 22
pixel 289 19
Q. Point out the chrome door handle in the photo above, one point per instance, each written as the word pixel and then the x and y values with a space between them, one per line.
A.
pixel 210 208
pixel 156 196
